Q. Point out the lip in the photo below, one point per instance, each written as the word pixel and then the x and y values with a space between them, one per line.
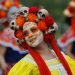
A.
pixel 32 40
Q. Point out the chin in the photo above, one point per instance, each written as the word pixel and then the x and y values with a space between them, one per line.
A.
pixel 36 43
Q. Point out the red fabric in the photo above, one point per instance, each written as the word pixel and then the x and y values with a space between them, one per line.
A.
pixel 73 23
pixel 71 10
pixel 54 46
pixel 40 62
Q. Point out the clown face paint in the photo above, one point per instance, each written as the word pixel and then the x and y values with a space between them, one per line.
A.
pixel 33 35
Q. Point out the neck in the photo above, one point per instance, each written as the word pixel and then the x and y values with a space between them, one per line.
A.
pixel 42 48
pixel 44 51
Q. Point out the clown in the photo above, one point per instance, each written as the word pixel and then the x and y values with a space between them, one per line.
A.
pixel 34 34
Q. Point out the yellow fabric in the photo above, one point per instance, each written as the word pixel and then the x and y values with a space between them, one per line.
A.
pixel 27 66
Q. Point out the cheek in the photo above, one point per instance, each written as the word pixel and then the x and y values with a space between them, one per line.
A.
pixel 40 35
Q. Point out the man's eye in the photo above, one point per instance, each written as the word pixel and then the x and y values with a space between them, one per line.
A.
pixel 34 29
pixel 26 33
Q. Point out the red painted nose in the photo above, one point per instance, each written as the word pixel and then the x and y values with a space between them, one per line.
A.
pixel 30 35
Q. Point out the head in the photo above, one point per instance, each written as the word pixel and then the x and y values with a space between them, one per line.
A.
pixel 32 30
pixel 32 33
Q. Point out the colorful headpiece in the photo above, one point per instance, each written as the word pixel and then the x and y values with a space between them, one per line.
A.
pixel 46 24
pixel 39 16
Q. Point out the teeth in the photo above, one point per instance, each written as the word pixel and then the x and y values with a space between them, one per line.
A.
pixel 32 39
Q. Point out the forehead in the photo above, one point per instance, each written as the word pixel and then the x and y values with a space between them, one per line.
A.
pixel 29 25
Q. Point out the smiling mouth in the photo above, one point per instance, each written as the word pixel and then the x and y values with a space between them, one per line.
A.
pixel 32 40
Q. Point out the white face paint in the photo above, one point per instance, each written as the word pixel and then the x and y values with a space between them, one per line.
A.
pixel 33 35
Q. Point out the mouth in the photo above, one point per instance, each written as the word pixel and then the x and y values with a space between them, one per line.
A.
pixel 32 40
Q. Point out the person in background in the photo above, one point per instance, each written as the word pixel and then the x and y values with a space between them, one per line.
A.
pixel 65 41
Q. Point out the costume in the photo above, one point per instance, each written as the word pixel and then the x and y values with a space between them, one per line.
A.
pixel 38 22
pixel 29 67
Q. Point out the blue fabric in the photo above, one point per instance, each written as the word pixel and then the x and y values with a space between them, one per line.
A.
pixel 12 56
pixel 73 48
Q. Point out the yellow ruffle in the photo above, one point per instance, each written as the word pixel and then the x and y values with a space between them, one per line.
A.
pixel 25 67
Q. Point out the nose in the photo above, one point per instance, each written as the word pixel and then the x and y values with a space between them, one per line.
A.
pixel 30 35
